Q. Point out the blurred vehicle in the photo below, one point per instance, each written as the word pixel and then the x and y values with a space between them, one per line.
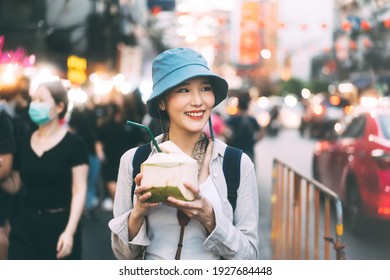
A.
pixel 322 113
pixel 291 116
pixel 356 165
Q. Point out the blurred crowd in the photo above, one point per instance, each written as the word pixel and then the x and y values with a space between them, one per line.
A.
pixel 101 124
pixel 107 135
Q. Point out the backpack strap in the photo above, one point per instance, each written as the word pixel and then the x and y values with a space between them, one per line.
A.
pixel 231 170
pixel 140 155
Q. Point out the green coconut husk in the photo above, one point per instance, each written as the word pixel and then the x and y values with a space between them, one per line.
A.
pixel 160 194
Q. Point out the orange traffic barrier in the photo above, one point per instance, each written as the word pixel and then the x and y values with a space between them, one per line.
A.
pixel 302 217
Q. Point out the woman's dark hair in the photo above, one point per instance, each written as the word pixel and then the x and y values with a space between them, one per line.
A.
pixel 59 94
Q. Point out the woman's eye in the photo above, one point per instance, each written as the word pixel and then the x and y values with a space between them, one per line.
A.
pixel 182 90
pixel 185 90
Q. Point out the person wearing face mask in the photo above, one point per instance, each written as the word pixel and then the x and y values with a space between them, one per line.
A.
pixel 209 227
pixel 52 166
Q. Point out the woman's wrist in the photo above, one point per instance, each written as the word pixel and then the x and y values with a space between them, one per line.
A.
pixel 210 224
pixel 135 216
pixel 69 232
pixel 135 222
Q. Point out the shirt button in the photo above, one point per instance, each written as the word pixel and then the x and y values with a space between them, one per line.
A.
pixel 225 200
pixel 215 174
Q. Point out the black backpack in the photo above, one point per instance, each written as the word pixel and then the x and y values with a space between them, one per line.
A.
pixel 231 169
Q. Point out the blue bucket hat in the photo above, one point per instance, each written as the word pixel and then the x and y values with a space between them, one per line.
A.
pixel 174 66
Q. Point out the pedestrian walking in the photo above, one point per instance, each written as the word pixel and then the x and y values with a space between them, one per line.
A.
pixel 117 137
pixel 13 123
pixel 52 165
pixel 184 93
pixel 7 149
pixel 83 121
pixel 245 130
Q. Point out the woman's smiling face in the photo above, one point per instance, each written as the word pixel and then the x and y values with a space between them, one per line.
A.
pixel 189 104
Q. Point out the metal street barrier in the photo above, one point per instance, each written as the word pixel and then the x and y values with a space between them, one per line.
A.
pixel 301 214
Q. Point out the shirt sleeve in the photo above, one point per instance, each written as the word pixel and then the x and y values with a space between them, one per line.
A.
pixel 121 246
pixel 79 150
pixel 7 146
pixel 238 239
pixel 7 136
pixel 4 197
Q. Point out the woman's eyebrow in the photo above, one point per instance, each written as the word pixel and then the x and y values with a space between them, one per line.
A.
pixel 183 84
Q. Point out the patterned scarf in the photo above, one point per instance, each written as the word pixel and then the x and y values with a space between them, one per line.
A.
pixel 199 152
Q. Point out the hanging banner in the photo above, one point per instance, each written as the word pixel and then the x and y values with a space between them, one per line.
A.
pixel 246 26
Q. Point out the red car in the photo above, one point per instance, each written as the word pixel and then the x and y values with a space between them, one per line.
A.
pixel 356 165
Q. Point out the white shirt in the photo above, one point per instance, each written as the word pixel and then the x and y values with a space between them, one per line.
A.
pixel 164 230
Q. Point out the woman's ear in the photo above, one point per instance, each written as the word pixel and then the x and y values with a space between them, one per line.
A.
pixel 60 108
pixel 161 105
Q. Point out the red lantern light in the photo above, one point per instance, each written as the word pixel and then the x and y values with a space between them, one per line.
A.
pixel 365 25
pixel 386 23
pixel 367 43
pixel 352 45
pixel 156 10
pixel 346 25
pixel 304 26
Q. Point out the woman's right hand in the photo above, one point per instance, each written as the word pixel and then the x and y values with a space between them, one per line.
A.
pixel 141 206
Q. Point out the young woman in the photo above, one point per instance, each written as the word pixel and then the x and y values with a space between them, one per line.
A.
pixel 53 165
pixel 184 93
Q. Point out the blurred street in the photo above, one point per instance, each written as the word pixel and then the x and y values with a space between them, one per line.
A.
pixel 96 236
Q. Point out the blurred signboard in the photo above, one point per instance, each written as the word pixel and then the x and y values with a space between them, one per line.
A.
pixel 77 68
pixel 250 46
pixel 246 22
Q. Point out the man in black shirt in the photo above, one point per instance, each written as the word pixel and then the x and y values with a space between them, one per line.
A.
pixel 14 121
pixel 7 149
pixel 245 129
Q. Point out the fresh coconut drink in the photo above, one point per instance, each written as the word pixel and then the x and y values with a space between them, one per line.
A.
pixel 166 172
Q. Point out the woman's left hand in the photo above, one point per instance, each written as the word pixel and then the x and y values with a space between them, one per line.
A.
pixel 200 209
pixel 64 245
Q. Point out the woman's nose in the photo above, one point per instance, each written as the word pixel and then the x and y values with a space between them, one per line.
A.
pixel 196 98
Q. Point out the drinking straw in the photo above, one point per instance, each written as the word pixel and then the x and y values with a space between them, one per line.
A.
pixel 150 133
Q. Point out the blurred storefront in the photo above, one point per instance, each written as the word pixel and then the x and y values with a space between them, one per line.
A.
pixel 361 47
